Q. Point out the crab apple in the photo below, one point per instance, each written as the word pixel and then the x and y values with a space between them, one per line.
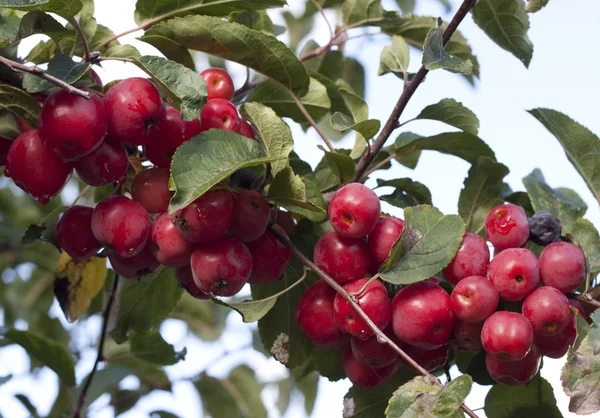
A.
pixel 218 83
pixel 133 267
pixel 250 216
pixel 71 125
pixel 556 346
pixel 220 114
pixel 514 373
pixel 185 278
pixel 246 129
pixel 474 299
pixel 427 359
pixel 121 224
pixel 354 210
pixel 507 335
pixel 168 245
pixel 472 259
pixel 191 128
pixel 548 310
pixel 507 226
pixel 374 301
pixel 422 315
pixel 221 267
pixel 514 273
pixel 468 335
pixel 366 376
pixel 562 265
pixel 134 109
pixel 372 353
pixel 270 258
pixel 206 218
pixel 35 168
pixel 74 233
pixel 342 258
pixel 106 164
pixel 381 239
pixel 544 228
pixel 166 138
pixel 150 188
pixel 314 315
pixel 5 144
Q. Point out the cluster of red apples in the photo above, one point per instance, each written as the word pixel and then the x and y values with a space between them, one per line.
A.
pixel 216 244
pixel 514 307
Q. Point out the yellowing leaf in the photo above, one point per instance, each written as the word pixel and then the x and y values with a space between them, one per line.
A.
pixel 77 282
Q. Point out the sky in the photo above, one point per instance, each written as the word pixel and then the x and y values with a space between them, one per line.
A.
pixel 562 76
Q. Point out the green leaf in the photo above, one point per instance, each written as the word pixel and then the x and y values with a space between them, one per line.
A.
pixel 122 51
pixel 144 303
pixel 171 50
pixel 308 386
pixel 208 159
pixel 203 318
pixel 482 191
pixel 580 144
pixel 316 101
pixel 506 23
pixel 290 191
pixel 62 67
pixel 278 330
pixel 9 30
pixel 52 354
pixel 105 380
pixel 274 134
pixel 473 364
pixel 535 397
pixel 28 405
pixel 238 396
pixel 20 104
pixel 370 403
pixel 341 165
pixel 407 193
pixel 34 23
pixel 157 9
pixel 535 5
pixel 5 379
pixel 250 310
pixel 367 128
pixel 328 363
pixel 151 347
pixel 435 56
pixel 395 58
pixel 461 144
pixel 231 41
pixel 297 27
pixel 452 113
pixel 162 414
pixel 184 89
pixel 422 396
pixel 428 243
pixel 522 199
pixel 258 20
pixel 60 7
pixel 42 52
pixel 585 232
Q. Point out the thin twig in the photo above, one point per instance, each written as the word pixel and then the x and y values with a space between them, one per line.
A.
pixel 378 166
pixel 309 119
pixel 407 93
pixel 586 299
pixel 37 71
pixel 320 9
pixel 100 355
pixel 362 289
pixel 84 41
pixel 381 337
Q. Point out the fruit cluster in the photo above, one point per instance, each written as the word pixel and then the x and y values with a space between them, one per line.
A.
pixel 423 318
pixel 216 244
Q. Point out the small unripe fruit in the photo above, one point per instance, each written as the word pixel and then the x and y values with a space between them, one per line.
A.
pixel 342 258
pixel 105 165
pixel 562 265
pixel 472 259
pixel 74 233
pixel 150 188
pixel 514 273
pixel 354 210
pixel 507 226
pixel 507 335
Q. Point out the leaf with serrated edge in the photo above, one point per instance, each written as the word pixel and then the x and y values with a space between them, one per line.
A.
pixel 452 113
pixel 428 243
pixel 367 128
pixel 20 104
pixel 274 133
pixel 506 23
pixel 535 5
pixel 533 398
pixel 208 159
pixel 250 310
pixel 290 191
pixel 234 42
pixel 435 56
pixel 62 67
pixel 580 144
pixel 407 193
pixel 171 50
pixel 395 57
pixel 60 7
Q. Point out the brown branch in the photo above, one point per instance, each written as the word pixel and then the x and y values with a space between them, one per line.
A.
pixel 381 337
pixel 84 41
pixel 100 355
pixel 37 71
pixel 407 93
pixel 586 299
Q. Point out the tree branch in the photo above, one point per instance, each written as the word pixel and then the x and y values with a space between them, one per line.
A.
pixel 100 356
pixel 381 337
pixel 407 93
pixel 586 299
pixel 37 71
pixel 84 41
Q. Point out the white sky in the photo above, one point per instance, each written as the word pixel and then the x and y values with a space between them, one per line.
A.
pixel 562 76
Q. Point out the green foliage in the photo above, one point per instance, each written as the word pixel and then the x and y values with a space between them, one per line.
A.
pixel 62 67
pixel 452 113
pixel 171 50
pixel 151 347
pixel 395 58
pixel 407 192
pixel 435 56
pixel 20 104
pixel 428 243
pixel 64 8
pixel 535 397
pixel 535 5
